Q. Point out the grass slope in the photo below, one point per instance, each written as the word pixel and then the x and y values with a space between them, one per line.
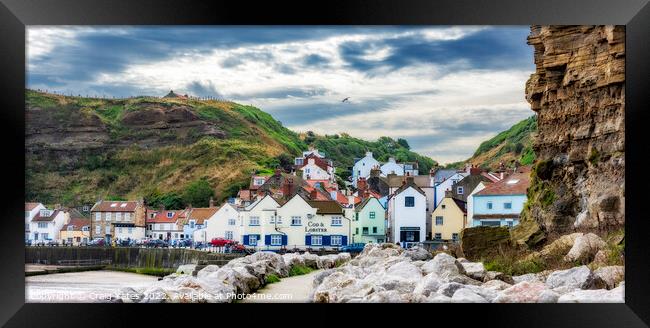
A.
pixel 512 144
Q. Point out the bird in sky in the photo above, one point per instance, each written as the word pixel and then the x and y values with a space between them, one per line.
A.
pixel 346 99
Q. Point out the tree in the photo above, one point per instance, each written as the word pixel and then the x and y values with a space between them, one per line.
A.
pixel 311 137
pixel 285 161
pixel 403 143
pixel 198 193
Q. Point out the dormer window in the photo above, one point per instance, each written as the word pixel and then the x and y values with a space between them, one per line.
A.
pixel 70 228
pixel 123 205
pixel 170 215
pixel 114 205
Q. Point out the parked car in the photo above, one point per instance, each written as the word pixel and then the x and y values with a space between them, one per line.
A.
pixel 97 242
pixel 142 242
pixel 221 242
pixel 238 248
pixel 200 245
pixel 156 243
pixel 126 243
pixel 353 248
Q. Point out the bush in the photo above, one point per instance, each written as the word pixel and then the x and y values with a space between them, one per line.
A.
pixel 198 193
pixel 298 270
pixel 272 278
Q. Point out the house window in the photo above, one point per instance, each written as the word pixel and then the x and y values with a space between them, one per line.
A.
pixel 118 216
pixel 510 224
pixel 26 214
pixel 296 220
pixel 42 224
pixel 45 236
pixel 454 236
pixel 229 235
pixel 278 219
pixel 252 240
pixel 176 235
pixel 191 224
pixel 336 221
pixel 374 229
pixel 460 190
pixel 336 240
pixel 316 240
pixel 170 214
pixel 70 240
pixel 108 216
pixel 356 231
pixel 438 236
pixel 98 216
pixel 276 240
pixel 127 216
pixel 365 230
pixel 443 206
pixel 409 201
pixel 489 205
pixel 439 220
pixel 507 206
pixel 98 229
pixel 26 226
pixel 130 230
pixel 108 229
pixel 86 208
pixel 231 222
pixel 371 215
pixel 254 220
pixel 356 216
pixel 85 228
pixel 70 228
pixel 119 230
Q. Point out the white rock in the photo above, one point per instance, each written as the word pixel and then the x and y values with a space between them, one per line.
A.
pixel 207 270
pixel 577 277
pixel 293 259
pixel 405 270
pixel 448 289
pixel 585 247
pixel 311 260
pixel 616 295
pixel 474 270
pixel 465 295
pixel 417 254
pixel 428 285
pixel 610 275
pixel 524 292
pixel 444 265
pixel 438 298
pixel 496 285
pixel 530 277
pixel 186 269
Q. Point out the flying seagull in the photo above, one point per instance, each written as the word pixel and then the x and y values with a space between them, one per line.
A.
pixel 346 99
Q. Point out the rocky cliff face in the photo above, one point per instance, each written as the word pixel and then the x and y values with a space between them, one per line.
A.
pixel 578 93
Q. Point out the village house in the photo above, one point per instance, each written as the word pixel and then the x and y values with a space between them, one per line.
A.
pixel 77 230
pixel 362 167
pixel 224 222
pixel 391 167
pixel 407 214
pixel 445 181
pixel 196 219
pixel 117 220
pixel 328 228
pixel 449 219
pixel 258 220
pixel 461 189
pixel 314 166
pixel 500 203
pixel 369 222
pixel 470 202
pixel 31 210
pixel 46 225
pixel 166 224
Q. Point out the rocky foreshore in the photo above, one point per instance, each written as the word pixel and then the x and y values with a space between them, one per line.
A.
pixel 239 277
pixel 388 273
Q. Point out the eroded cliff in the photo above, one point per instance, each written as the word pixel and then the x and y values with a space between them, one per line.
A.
pixel 578 93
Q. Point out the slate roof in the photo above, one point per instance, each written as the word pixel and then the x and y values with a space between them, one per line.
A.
pixel 120 206
pixel 442 175
pixel 461 204
pixel 515 184
pixel 77 224
pixel 326 206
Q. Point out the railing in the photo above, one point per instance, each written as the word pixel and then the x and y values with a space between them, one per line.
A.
pixel 90 262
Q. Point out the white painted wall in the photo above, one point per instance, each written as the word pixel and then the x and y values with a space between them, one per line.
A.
pixel 312 171
pixel 52 228
pixel 391 167
pixel 226 219
pixel 447 185
pixel 361 168
pixel 402 216
pixel 470 203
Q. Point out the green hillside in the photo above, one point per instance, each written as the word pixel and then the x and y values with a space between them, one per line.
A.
pixel 78 150
pixel 507 146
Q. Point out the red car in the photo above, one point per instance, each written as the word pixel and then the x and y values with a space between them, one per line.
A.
pixel 221 242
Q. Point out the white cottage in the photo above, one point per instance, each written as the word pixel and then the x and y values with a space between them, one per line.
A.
pixel 391 167
pixel 31 210
pixel 46 225
pixel 407 214
pixel 470 202
pixel 224 223
pixel 363 166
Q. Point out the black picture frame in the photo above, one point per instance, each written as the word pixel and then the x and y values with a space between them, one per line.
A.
pixel 635 14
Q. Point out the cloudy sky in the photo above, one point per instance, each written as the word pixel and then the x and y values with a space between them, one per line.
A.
pixel 443 88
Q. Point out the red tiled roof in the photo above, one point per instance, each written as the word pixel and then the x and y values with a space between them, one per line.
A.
pixel 202 214
pixel 317 161
pixel 115 206
pixel 324 183
pixel 161 216
pixel 245 195
pixel 76 223
pixel 514 184
pixel 38 216
pixel 31 206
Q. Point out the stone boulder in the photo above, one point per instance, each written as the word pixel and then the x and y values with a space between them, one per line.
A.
pixel 273 261
pixel 496 285
pixel 310 260
pixel 428 285
pixel 495 275
pixel 417 254
pixel 585 248
pixel 405 270
pixel 186 269
pixel 527 292
pixel 530 277
pixel 616 295
pixel 207 270
pixel 465 295
pixel 318 278
pixel 293 259
pixel 339 287
pixel 474 270
pixel 611 276
pixel 578 277
pixel 443 265
pixel 437 298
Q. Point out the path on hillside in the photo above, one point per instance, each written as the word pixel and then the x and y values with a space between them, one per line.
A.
pixel 294 289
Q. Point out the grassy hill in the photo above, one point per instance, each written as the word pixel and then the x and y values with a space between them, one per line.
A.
pixel 78 150
pixel 512 144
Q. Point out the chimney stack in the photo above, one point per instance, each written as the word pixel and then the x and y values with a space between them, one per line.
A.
pixel 362 184
pixel 313 194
